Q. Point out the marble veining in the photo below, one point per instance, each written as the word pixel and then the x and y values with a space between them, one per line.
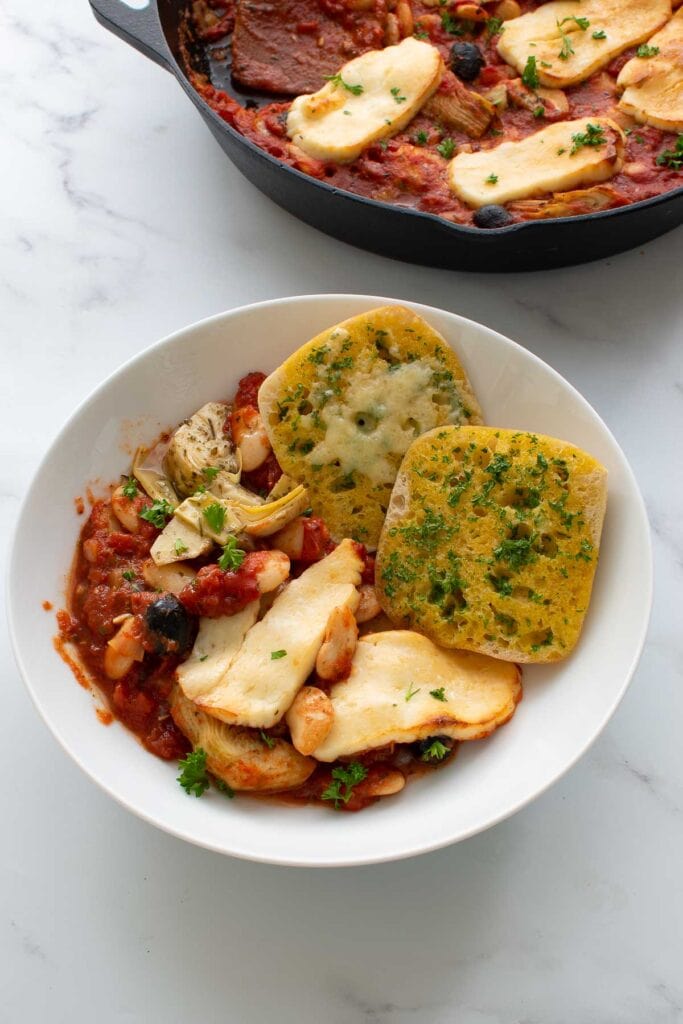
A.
pixel 120 221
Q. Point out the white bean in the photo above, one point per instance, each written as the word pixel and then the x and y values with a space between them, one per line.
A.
pixel 125 511
pixel 123 649
pixel 310 719
pixel 339 644
pixel 251 438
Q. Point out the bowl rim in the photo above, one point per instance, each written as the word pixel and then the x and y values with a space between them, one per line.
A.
pixel 409 849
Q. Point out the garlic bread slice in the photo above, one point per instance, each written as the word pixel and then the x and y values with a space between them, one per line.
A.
pixel 568 40
pixel 566 155
pixel 491 542
pixel 342 410
pixel 279 652
pixel 404 688
pixel 372 97
pixel 653 85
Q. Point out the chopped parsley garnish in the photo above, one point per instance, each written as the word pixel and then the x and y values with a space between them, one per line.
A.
pixel 276 655
pixel 436 751
pixel 515 552
pixel 268 740
pixel 130 488
pixel 179 547
pixel 539 111
pixel 215 516
pixel 420 139
pixel 194 777
pixel 346 777
pixel 594 135
pixel 446 148
pixel 530 74
pixel 411 692
pixel 225 789
pixel 494 26
pixel 439 694
pixel 672 158
pixel 492 179
pixel 396 93
pixel 338 80
pixel 129 575
pixel 567 48
pixel 451 25
pixel 645 50
pixel 600 34
pixel 583 23
pixel 210 473
pixel 498 467
pixel 157 513
pixel 420 33
pixel 232 556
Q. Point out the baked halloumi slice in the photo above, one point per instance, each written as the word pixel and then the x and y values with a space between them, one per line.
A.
pixel 653 86
pixel 372 97
pixel 279 652
pixel 215 648
pixel 571 39
pixel 390 695
pixel 565 155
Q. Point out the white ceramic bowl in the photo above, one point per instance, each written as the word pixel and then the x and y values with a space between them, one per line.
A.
pixel 565 706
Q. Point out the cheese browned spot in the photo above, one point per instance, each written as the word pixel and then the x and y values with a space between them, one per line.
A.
pixel 371 98
pixel 389 696
pixel 653 86
pixel 565 48
pixel 279 652
pixel 552 160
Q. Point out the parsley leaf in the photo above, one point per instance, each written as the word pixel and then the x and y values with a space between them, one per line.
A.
pixel 396 93
pixel 215 516
pixel 672 158
pixel 530 73
pixel 225 789
pixel 338 80
pixel 644 50
pixel 439 694
pixel 210 472
pixel 193 776
pixel 179 547
pixel 348 777
pixel 420 139
pixel 268 740
pixel 494 26
pixel 232 556
pixel 446 148
pixel 492 179
pixel 130 488
pixel 129 575
pixel 157 513
pixel 436 751
pixel 600 34
pixel 276 655
pixel 593 136
pixel 411 692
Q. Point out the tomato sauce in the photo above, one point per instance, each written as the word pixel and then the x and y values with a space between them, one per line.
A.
pixel 410 168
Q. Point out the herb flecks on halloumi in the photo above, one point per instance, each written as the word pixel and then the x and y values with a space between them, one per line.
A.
pixel 372 97
pixel 565 155
pixel 653 85
pixel 279 652
pixel 342 411
pixel 571 39
pixel 404 688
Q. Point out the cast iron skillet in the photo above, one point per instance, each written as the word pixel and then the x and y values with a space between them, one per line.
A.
pixel 394 231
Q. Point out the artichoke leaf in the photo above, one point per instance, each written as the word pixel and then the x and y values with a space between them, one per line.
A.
pixel 210 516
pixel 179 542
pixel 153 481
pixel 200 453
pixel 274 515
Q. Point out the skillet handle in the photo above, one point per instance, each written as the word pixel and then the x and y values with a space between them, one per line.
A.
pixel 140 28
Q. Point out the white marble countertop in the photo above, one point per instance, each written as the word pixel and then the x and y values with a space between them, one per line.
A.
pixel 120 220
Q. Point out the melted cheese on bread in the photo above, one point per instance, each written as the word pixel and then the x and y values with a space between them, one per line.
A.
pixel 215 648
pixel 653 86
pixel 343 409
pixel 388 699
pixel 373 97
pixel 552 160
pixel 257 688
pixel 565 48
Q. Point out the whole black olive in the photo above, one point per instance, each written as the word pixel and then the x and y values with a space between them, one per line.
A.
pixel 466 61
pixel 169 625
pixel 492 216
pixel 434 749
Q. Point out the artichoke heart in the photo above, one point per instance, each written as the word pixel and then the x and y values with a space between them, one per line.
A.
pixel 152 480
pixel 263 520
pixel 202 455
pixel 209 516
